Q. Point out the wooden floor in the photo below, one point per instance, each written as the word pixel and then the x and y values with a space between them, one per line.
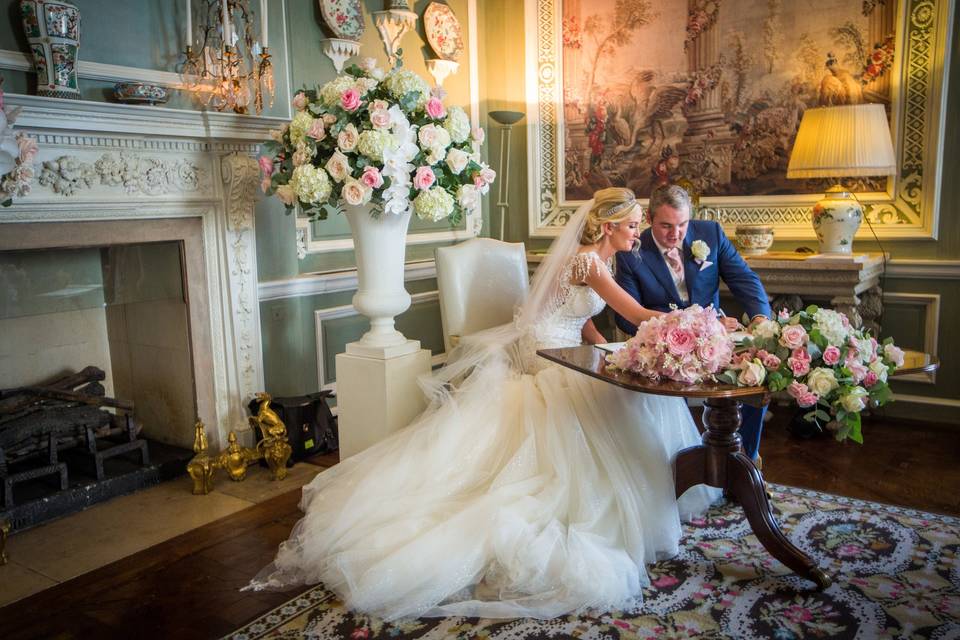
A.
pixel 188 587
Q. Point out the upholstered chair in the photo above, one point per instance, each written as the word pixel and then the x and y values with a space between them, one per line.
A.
pixel 480 282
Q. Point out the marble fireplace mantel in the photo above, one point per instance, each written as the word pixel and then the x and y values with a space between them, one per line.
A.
pixel 111 162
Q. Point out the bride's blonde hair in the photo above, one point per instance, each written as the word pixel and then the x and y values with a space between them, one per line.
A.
pixel 613 204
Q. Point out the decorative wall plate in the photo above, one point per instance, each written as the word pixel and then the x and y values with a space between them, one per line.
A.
pixel 139 93
pixel 344 17
pixel 443 31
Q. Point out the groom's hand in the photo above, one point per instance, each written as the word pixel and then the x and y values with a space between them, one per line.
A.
pixel 731 324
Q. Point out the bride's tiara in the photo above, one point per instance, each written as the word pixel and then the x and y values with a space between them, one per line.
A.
pixel 620 207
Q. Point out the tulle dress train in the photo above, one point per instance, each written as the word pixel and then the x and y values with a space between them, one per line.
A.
pixel 524 490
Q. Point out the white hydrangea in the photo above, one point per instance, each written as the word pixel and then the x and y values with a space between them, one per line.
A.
pixel 299 126
pixel 433 204
pixel 830 324
pixel 311 184
pixel 400 82
pixel 457 124
pixel 365 85
pixel 766 329
pixel 374 142
pixel 330 93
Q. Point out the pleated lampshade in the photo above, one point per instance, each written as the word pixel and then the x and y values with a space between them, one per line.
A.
pixel 841 141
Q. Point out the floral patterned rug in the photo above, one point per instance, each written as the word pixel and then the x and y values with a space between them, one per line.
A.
pixel 896 575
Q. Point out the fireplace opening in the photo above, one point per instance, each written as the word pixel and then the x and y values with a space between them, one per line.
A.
pixel 103 333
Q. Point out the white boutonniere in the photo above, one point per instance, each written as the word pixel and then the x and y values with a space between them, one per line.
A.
pixel 701 251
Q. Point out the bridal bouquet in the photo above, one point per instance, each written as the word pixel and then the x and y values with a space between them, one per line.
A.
pixel 686 345
pixel 822 362
pixel 381 138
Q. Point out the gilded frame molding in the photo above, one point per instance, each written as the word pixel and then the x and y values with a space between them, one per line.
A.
pixel 908 209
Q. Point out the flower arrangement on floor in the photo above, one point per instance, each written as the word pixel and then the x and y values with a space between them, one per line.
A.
pixel 379 138
pixel 17 153
pixel 686 345
pixel 822 362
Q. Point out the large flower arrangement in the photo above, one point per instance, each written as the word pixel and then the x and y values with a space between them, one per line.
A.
pixel 379 138
pixel 822 362
pixel 686 345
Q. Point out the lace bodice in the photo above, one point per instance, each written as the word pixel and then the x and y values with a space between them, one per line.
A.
pixel 574 304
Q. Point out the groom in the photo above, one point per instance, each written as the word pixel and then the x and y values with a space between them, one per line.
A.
pixel 670 270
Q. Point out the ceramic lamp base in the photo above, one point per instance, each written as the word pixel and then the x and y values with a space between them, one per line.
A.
pixel 836 219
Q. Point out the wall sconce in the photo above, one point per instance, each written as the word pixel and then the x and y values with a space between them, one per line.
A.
pixel 836 142
pixel 506 120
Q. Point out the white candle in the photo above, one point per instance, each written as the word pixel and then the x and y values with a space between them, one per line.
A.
pixel 189 25
pixel 227 38
pixel 263 22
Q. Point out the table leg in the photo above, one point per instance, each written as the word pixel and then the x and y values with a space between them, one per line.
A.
pixel 719 462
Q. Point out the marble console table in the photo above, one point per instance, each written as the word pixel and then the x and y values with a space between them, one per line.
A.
pixel 850 284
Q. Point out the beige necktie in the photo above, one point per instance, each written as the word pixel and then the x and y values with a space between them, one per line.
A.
pixel 673 260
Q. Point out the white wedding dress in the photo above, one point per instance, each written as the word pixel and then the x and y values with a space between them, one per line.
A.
pixel 524 490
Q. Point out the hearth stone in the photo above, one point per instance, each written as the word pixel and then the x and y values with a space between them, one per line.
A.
pixel 41 500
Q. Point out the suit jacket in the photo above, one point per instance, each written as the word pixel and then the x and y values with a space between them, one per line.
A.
pixel 647 277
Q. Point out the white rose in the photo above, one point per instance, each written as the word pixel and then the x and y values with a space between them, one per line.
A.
pixel 432 136
pixel 822 381
pixel 752 374
pixel 457 160
pixel 488 175
pixel 347 140
pixel 468 196
pixel 436 155
pixel 380 118
pixel 355 192
pixel 700 249
pixel 879 368
pixel 766 329
pixel 855 400
pixel 367 64
pixel 338 166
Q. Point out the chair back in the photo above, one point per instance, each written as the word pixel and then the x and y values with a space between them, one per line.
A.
pixel 480 281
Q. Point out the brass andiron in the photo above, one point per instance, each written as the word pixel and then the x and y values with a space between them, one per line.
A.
pixel 236 458
pixel 274 447
pixel 202 466
pixel 4 532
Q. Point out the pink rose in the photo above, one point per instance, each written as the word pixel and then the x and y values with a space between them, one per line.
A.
pixel 350 99
pixel 783 314
pixel 435 108
pixel 799 362
pixel 831 355
pixel 479 135
pixel 808 399
pixel 857 369
pixel 266 166
pixel 797 389
pixel 793 336
pixel 894 354
pixel 681 341
pixel 870 379
pixel 300 101
pixel 317 130
pixel 488 175
pixel 329 119
pixel 743 356
pixel 424 178
pixel 769 360
pixel 478 182
pixel 380 118
pixel 371 177
pixel 707 352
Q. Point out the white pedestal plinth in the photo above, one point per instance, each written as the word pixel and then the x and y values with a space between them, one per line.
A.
pixel 377 396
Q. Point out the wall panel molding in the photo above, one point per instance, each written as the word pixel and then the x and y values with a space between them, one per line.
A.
pixel 923 269
pixel 346 311
pixel 929 303
pixel 334 281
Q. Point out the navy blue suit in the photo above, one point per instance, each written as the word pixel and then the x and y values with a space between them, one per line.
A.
pixel 647 278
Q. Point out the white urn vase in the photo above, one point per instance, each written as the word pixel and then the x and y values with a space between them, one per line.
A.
pixel 379 242
pixel 836 218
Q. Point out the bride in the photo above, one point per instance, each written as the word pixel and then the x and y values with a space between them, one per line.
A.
pixel 525 489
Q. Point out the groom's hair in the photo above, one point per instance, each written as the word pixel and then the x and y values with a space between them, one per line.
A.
pixel 671 195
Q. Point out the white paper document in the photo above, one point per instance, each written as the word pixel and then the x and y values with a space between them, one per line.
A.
pixel 610 346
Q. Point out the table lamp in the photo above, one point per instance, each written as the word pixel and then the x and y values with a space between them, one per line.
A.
pixel 506 120
pixel 837 142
